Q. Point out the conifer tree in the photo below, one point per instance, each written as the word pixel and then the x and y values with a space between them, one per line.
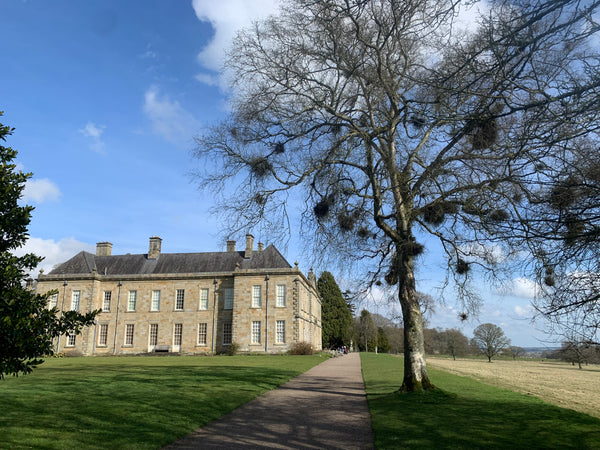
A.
pixel 335 314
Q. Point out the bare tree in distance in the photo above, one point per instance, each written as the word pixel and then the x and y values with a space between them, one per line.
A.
pixel 395 127
pixel 490 339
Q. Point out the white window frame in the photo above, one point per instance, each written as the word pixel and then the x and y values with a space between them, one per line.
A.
pixel 129 333
pixel 106 301
pixel 255 332
pixel 203 302
pixel 75 300
pixel 71 339
pixel 155 301
pixel 280 299
pixel 228 302
pixel 53 300
pixel 179 299
pixel 257 296
pixel 227 333
pixel 153 334
pixel 177 334
pixel 131 301
pixel 103 335
pixel 202 333
pixel 280 332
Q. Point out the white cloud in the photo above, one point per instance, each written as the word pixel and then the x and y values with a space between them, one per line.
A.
pixel 54 253
pixel 94 133
pixel 41 190
pixel 523 312
pixel 521 287
pixel 169 118
pixel 227 17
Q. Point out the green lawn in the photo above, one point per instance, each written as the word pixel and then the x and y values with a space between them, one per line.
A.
pixel 464 413
pixel 132 402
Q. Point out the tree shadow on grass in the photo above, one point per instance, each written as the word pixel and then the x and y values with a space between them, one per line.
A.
pixel 442 419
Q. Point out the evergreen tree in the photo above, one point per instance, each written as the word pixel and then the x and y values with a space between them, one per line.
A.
pixel 335 313
pixel 383 345
pixel 27 326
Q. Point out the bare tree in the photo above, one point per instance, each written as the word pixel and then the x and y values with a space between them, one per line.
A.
pixel 489 339
pixel 454 342
pixel 396 124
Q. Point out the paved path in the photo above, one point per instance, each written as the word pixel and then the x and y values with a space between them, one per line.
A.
pixel 325 407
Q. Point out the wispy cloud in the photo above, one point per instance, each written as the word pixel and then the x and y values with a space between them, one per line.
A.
pixel 94 133
pixel 40 191
pixel 520 287
pixel 169 119
pixel 227 18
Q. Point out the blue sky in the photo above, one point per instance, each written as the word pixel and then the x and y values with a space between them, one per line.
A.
pixel 106 97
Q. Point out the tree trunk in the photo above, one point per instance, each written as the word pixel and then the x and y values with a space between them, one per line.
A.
pixel 415 370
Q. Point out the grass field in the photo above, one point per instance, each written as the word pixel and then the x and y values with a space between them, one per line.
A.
pixel 465 413
pixel 557 382
pixel 132 402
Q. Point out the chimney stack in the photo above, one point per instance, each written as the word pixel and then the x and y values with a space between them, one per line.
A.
pixel 154 248
pixel 249 245
pixel 231 246
pixel 103 249
pixel 261 246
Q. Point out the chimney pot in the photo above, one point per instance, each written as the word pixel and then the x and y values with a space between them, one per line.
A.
pixel 103 249
pixel 231 246
pixel 249 245
pixel 154 247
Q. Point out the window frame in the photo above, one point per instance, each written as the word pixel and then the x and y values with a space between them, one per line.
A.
pixel 103 335
pixel 202 334
pixel 71 339
pixel 228 298
pixel 106 301
pixel 256 296
pixel 227 333
pixel 256 332
pixel 75 295
pixel 155 300
pixel 177 334
pixel 280 332
pixel 179 299
pixel 203 302
pixel 153 334
pixel 132 300
pixel 281 297
pixel 129 334
pixel 53 301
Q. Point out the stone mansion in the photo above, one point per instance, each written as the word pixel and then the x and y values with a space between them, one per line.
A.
pixel 189 303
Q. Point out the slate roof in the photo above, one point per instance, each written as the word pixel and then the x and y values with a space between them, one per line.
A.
pixel 171 263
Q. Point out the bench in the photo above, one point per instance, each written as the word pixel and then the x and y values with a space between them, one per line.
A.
pixel 161 348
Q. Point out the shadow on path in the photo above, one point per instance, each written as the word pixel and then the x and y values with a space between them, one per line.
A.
pixel 326 407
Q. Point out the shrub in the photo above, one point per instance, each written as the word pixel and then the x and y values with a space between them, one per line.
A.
pixel 301 348
pixel 233 349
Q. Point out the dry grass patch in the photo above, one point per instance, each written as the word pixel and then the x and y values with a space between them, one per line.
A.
pixel 556 382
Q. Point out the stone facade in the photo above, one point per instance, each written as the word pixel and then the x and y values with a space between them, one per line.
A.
pixel 190 303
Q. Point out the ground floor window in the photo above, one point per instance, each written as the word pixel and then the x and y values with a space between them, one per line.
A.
pixel 103 335
pixel 255 338
pixel 153 334
pixel 177 333
pixel 227 333
pixel 129 328
pixel 71 339
pixel 202 328
pixel 280 332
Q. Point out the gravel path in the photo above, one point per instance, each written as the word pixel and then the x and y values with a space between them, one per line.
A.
pixel 323 408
